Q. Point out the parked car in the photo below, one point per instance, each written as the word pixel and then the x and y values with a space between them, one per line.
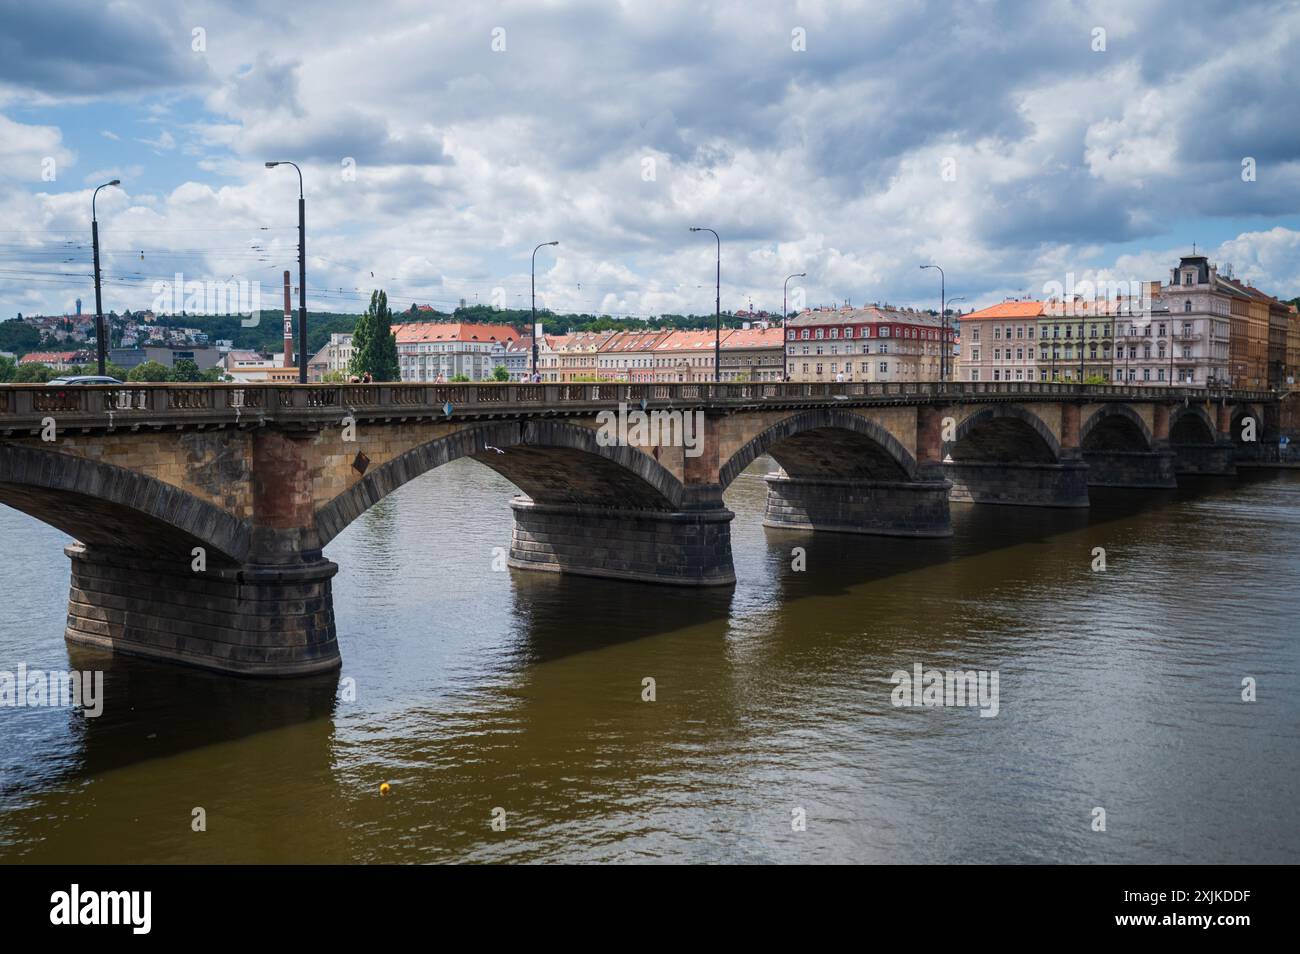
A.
pixel 74 379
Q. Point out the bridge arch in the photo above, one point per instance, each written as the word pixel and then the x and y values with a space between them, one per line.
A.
pixel 1004 433
pixel 1116 427
pixel 1191 424
pixel 552 461
pixel 113 508
pixel 826 443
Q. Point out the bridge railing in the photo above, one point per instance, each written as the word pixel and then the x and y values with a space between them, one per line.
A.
pixel 25 405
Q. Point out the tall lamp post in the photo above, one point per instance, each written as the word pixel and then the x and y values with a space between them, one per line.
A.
pixel 101 344
pixel 302 272
pixel 533 330
pixel 785 375
pixel 943 324
pixel 717 319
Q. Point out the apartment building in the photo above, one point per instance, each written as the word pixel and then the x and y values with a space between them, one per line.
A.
pixel 1200 309
pixel 999 342
pixel 875 343
pixel 433 350
pixel 752 354
pixel 629 356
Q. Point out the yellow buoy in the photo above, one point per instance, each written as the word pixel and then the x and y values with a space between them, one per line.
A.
pixel 384 788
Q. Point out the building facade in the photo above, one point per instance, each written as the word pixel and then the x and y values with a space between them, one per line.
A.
pixel 442 350
pixel 999 343
pixel 1200 310
pixel 753 354
pixel 875 343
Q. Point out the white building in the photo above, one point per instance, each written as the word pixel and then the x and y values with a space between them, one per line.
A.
pixel 433 350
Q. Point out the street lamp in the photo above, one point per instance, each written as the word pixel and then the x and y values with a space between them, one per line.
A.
pixel 101 344
pixel 302 272
pixel 534 328
pixel 943 323
pixel 717 320
pixel 785 376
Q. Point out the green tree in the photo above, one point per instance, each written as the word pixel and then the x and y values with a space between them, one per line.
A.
pixel 459 378
pixel 499 373
pixel 149 371
pixel 185 370
pixel 8 368
pixel 34 374
pixel 374 346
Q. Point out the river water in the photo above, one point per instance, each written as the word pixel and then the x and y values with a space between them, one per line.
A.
pixel 479 693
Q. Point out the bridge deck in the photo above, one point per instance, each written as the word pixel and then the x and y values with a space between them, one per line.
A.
pixel 23 407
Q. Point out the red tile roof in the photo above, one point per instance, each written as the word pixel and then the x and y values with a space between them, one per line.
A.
pixel 416 331
pixel 1007 309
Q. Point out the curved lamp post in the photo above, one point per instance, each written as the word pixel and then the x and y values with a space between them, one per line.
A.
pixel 785 375
pixel 302 272
pixel 533 330
pixel 101 344
pixel 717 317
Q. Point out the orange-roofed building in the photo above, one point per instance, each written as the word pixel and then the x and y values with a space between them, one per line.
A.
pixel 434 350
pixel 999 343
pixel 629 356
pixel 753 354
pixel 684 357
pixel 58 360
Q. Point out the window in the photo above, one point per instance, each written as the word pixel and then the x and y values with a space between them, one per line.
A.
pixel 1020 331
pixel 819 334
pixel 884 366
pixel 997 354
pixel 974 354
pixel 835 332
pixel 975 335
pixel 1187 306
pixel 1020 354
pixel 997 334
pixel 974 374
pixel 997 375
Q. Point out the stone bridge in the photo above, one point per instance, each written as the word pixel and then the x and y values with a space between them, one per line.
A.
pixel 200 512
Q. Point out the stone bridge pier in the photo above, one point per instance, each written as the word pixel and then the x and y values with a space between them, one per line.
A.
pixel 253 599
pixel 1201 439
pixel 1006 455
pixel 1122 450
pixel 847 474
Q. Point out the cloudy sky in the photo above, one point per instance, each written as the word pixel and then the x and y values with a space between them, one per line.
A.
pixel 1012 143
